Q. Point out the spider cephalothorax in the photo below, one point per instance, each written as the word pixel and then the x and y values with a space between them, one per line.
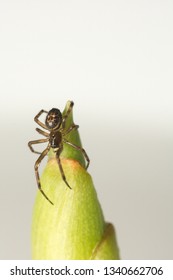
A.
pixel 55 124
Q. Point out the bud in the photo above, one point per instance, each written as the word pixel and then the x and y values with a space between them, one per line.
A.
pixel 74 227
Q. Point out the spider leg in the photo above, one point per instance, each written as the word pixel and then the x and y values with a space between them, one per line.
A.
pixel 30 143
pixel 46 134
pixel 67 114
pixel 61 170
pixel 79 149
pixel 72 127
pixel 37 163
pixel 38 121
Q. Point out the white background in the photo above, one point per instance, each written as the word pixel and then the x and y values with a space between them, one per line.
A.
pixel 114 59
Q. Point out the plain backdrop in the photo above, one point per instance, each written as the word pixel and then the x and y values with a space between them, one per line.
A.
pixel 114 59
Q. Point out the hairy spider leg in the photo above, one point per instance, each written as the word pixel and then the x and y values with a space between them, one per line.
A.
pixel 72 127
pixel 37 163
pixel 61 169
pixel 67 114
pixel 30 143
pixel 79 149
pixel 38 121
pixel 46 134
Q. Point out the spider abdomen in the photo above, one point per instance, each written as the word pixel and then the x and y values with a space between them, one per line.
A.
pixel 53 119
pixel 55 139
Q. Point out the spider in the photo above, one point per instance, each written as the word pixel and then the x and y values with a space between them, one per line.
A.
pixel 55 124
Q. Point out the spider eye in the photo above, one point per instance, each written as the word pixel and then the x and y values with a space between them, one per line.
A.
pixel 54 118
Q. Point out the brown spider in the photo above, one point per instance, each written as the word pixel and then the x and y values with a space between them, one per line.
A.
pixel 55 124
